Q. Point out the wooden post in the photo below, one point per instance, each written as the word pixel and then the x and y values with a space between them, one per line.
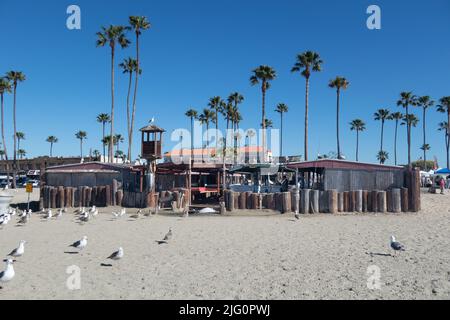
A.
pixel 358 200
pixel 304 207
pixel 389 201
pixel 346 201
pixel 332 201
pixel 374 200
pixel 231 195
pixel 396 200
pixel 114 189
pixel 314 196
pixel 340 202
pixel 222 207
pixel 414 191
pixel 404 199
pixel 242 201
pixel 236 200
pixel 286 202
pixel 381 201
pixel 365 199
pixel 108 195
pixel 119 198
pixel 255 201
pixel 270 201
pixel 352 201
pixel 53 193
pixel 296 200
pixel 248 200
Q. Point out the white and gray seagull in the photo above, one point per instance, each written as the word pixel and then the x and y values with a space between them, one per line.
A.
pixel 80 244
pixel 396 246
pixel 8 274
pixel 166 238
pixel 117 255
pixel 19 251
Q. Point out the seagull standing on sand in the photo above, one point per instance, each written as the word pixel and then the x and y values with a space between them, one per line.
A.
pixel 80 244
pixel 396 246
pixel 19 251
pixel 122 212
pixel 49 214
pixel 117 255
pixel 8 274
pixel 60 213
pixel 166 238
pixel 24 219
pixel 5 219
pixel 296 215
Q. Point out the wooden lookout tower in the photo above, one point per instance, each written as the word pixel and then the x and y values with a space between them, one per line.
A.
pixel 151 150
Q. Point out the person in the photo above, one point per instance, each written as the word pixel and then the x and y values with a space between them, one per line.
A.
pixel 447 184
pixel 442 184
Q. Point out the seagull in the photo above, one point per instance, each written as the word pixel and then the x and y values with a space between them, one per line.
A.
pixel 5 219
pixel 136 216
pixel 24 219
pixel 93 211
pixel 60 213
pixel 64 210
pixel 30 211
pixel 80 244
pixel 166 238
pixel 117 255
pixel 152 120
pixel 49 214
pixel 296 215
pixel 397 246
pixel 85 217
pixel 115 214
pixel 8 274
pixel 18 252
pixel 123 211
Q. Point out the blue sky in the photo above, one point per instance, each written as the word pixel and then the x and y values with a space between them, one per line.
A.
pixel 198 49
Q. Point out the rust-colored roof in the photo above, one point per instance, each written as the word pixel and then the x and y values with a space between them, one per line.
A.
pixel 152 128
pixel 98 166
pixel 341 164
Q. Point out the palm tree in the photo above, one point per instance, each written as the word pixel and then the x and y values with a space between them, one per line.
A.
pixel 382 156
pixel 82 135
pixel 205 118
pixel 357 125
pixel 443 126
pixel 192 114
pixel 425 102
pixel 216 104
pixel 307 63
pixel 410 121
pixel 444 107
pixel 137 23
pixel 382 115
pixel 103 118
pixel 263 74
pixel 106 141
pixel 281 108
pixel 338 83
pixel 21 153
pixel 407 99
pixel 96 154
pixel 267 123
pixel 5 87
pixel 51 140
pixel 19 136
pixel 15 77
pixel 129 66
pixel 111 36
pixel 118 138
pixel 397 116
pixel 231 110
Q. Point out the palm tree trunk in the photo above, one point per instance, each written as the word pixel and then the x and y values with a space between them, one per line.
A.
pixel 357 145
pixel 103 139
pixel 128 115
pixel 15 147
pixel 424 141
pixel 408 137
pixel 51 149
pixel 263 123
pixel 448 138
pixel 133 114
pixel 81 148
pixel 306 118
pixel 395 142
pixel 281 135
pixel 447 146
pixel 3 139
pixel 382 134
pixel 337 124
pixel 111 146
pixel 217 128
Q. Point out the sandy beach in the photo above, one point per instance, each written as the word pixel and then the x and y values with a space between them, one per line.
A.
pixel 271 256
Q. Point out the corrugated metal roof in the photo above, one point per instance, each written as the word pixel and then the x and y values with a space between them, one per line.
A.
pixel 340 164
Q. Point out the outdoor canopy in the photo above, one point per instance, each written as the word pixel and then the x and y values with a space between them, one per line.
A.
pixel 443 171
